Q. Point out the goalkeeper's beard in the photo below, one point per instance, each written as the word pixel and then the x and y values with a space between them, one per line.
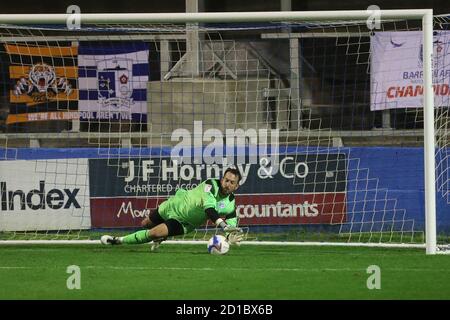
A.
pixel 223 191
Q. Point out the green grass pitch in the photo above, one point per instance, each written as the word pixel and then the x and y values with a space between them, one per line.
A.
pixel 246 272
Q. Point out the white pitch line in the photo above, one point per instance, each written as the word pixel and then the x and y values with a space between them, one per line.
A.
pixel 234 269
pixel 194 269
pixel 203 242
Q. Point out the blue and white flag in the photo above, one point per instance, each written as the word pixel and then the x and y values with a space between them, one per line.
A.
pixel 112 81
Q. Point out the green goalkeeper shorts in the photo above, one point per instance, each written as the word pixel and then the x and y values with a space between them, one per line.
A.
pixel 168 210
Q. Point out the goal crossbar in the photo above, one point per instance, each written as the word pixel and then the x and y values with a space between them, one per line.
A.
pixel 203 17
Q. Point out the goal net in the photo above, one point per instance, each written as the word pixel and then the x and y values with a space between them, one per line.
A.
pixel 324 118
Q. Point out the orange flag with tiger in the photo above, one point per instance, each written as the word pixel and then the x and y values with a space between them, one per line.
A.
pixel 44 83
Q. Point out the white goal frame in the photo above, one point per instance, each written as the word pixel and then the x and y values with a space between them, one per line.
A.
pixel 426 15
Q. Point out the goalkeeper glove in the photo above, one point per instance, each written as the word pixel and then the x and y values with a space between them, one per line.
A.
pixel 235 238
pixel 227 228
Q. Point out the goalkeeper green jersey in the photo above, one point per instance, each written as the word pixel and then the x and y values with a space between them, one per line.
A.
pixel 188 206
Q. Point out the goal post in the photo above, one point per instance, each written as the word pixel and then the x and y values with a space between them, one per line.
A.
pixel 429 140
pixel 218 79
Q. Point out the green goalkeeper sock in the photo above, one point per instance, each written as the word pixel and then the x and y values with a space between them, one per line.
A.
pixel 137 237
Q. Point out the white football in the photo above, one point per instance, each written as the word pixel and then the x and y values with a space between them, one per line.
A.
pixel 218 245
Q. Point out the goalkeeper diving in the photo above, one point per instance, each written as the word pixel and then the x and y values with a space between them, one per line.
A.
pixel 189 209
